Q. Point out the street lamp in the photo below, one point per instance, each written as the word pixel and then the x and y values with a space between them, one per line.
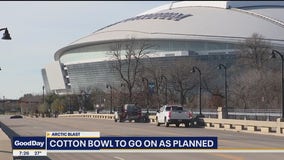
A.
pixel 225 112
pixel 43 94
pixel 143 80
pixel 110 87
pixel 273 55
pixel 163 77
pixel 194 69
pixel 70 107
pixel 83 94
pixel 124 95
pixel 6 34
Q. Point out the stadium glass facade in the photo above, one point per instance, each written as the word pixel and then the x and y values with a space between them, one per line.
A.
pixel 97 70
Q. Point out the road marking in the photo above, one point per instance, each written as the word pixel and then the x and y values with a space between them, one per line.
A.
pixel 119 158
pixel 227 156
pixel 234 142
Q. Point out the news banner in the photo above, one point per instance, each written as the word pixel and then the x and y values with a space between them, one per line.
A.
pixel 76 141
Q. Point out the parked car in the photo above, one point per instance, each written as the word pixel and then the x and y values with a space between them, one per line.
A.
pixel 173 114
pixel 16 116
pixel 130 112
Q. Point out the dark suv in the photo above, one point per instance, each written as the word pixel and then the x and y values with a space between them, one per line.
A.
pixel 128 112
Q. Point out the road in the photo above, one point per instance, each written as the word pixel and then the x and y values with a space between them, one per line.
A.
pixel 226 139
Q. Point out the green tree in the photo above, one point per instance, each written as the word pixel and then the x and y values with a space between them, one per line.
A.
pixel 50 98
pixel 58 105
pixel 43 108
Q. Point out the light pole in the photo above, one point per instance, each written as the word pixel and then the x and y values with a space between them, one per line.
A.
pixel 84 98
pixel 194 69
pixel 3 104
pixel 124 97
pixel 70 107
pixel 225 112
pixel 6 34
pixel 274 52
pixel 147 81
pixel 109 86
pixel 163 77
pixel 43 94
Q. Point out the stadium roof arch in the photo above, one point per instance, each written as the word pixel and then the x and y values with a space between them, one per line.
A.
pixel 223 21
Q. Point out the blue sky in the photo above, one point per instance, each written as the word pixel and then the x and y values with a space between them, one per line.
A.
pixel 39 29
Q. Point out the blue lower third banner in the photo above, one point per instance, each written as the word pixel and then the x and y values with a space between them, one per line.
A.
pixel 89 142
pixel 62 144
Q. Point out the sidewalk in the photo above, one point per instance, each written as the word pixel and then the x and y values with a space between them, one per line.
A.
pixel 5 147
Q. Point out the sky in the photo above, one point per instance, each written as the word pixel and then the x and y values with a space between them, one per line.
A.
pixel 39 28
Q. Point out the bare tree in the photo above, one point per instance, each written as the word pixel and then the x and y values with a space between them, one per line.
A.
pixel 85 100
pixel 181 80
pixel 216 99
pixel 255 89
pixel 127 61
pixel 254 52
pixel 154 71
pixel 98 97
pixel 241 90
pixel 256 82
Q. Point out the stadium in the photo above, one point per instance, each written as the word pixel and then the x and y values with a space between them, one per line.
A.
pixel 179 30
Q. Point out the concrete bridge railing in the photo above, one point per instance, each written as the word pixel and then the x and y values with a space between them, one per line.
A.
pixel 262 127
pixel 95 116
pixel 251 126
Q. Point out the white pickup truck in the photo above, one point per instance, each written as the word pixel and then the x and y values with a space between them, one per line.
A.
pixel 173 114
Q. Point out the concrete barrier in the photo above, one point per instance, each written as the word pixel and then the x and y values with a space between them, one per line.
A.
pixel 239 127
pixel 227 126
pixel 94 116
pixel 261 127
pixel 273 127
